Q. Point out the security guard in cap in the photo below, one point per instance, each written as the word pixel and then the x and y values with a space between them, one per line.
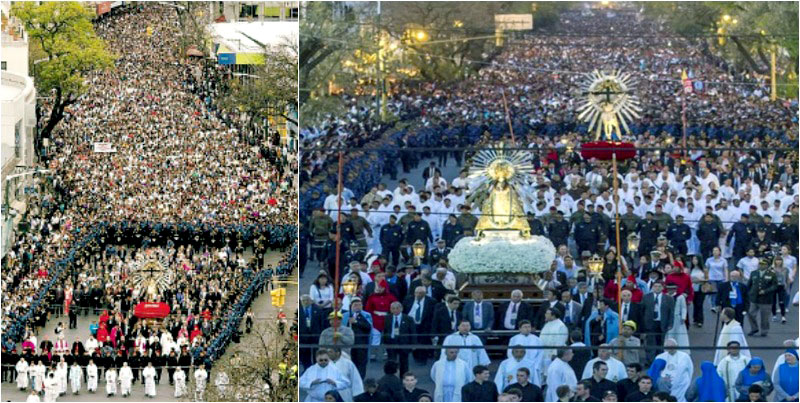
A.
pixel 587 235
pixel 391 238
pixel 354 254
pixel 678 233
pixel 330 252
pixel 441 251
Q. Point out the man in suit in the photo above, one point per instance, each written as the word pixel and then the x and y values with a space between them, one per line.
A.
pixel 512 312
pixel 585 298
pixel 361 323
pixel 310 327
pixel 446 317
pixel 480 313
pixel 734 294
pixel 399 329
pixel 572 310
pixel 630 310
pixel 658 316
pixel 433 288
pixel 551 302
pixel 420 308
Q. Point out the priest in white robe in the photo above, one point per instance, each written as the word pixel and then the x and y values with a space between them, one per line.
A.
pixel 322 377
pixel 616 368
pixel 125 379
pixel 62 374
pixel 75 377
pixel 91 377
pixel 111 381
pixel 22 373
pixel 463 337
pixel 349 372
pixel 507 371
pixel 729 368
pixel 52 386
pixel 526 338
pixel 179 378
pixel 149 375
pixel 560 373
pixel 38 376
pixel 679 368
pixel 731 331
pixel 554 334
pixel 200 380
pixel 449 375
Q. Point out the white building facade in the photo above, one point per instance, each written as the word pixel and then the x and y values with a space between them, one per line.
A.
pixel 18 124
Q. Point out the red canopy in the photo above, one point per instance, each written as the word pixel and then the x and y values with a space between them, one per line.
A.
pixel 603 150
pixel 272 202
pixel 151 310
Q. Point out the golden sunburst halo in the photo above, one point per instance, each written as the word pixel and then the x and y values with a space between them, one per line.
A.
pixel 500 163
pixel 608 99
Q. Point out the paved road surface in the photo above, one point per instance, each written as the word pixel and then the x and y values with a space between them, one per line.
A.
pixel 699 336
pixel 262 309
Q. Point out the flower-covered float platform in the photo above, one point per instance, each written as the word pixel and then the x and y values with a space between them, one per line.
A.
pixel 500 261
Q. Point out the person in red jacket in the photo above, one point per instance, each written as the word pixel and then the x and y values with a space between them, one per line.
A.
pixel 102 333
pixel 378 304
pixel 675 275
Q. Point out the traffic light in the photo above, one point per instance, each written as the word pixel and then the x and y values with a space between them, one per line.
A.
pixel 278 296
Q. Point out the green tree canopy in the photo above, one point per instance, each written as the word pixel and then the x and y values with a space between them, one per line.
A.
pixel 63 33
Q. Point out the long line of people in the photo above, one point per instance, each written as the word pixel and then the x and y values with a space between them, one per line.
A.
pixel 188 178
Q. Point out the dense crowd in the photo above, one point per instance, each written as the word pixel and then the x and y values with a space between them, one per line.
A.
pixel 189 181
pixel 716 227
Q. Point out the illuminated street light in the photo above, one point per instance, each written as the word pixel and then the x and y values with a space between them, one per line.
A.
pixel 421 36
pixel 458 23
pixel 726 18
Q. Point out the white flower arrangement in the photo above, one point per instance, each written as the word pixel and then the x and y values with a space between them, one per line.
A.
pixel 502 255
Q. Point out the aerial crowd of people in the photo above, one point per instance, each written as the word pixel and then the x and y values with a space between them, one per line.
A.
pixel 189 184
pixel 709 231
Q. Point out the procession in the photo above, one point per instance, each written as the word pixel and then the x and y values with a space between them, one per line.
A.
pixel 134 270
pixel 600 212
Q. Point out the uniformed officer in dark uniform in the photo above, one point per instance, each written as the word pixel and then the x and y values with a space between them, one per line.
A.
pixel 537 228
pixel 648 234
pixel 441 251
pixel 391 238
pixel 452 231
pixel 743 232
pixel 330 251
pixel 419 230
pixel 788 233
pixel 354 254
pixel 678 233
pixel 760 243
pixel 586 235
pixel 770 229
pixel 558 230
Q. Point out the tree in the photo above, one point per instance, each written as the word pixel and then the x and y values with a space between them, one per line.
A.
pixel 192 17
pixel 262 370
pixel 747 31
pixel 274 85
pixel 63 32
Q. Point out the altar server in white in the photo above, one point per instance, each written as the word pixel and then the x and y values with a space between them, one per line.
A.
pixel 560 373
pixel 200 379
pixel 730 367
pixel 554 333
pixel 731 331
pixel 349 372
pixel 449 375
pixel 322 377
pixel 22 373
pixel 526 338
pixel 463 337
pixel 507 371
pixel 149 375
pixel 91 377
pixel 180 382
pixel 125 379
pixel 75 377
pixel 62 373
pixel 616 369
pixel 111 381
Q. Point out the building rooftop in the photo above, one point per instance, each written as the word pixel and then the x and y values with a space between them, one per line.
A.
pixel 243 37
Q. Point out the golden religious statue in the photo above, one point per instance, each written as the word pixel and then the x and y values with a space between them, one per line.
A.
pixel 502 171
pixel 609 104
pixel 152 275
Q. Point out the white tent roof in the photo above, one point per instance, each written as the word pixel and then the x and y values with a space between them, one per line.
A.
pixel 238 36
